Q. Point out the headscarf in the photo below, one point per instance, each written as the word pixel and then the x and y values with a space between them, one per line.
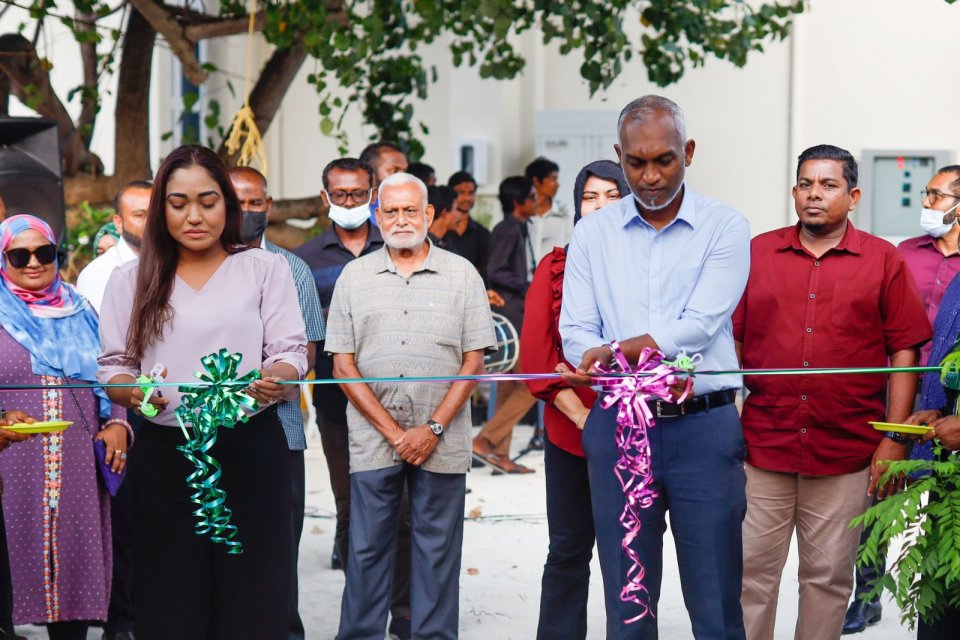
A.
pixel 56 325
pixel 603 169
pixel 108 228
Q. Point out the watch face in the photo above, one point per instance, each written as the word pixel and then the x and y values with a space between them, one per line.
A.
pixel 437 428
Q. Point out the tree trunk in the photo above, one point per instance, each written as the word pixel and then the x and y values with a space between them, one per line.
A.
pixel 267 95
pixel 132 142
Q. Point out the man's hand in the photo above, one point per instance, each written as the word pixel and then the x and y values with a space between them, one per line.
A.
pixel 495 299
pixel 9 418
pixel 887 450
pixel 947 431
pixel 416 445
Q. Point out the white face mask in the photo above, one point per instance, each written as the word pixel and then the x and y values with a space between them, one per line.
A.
pixel 931 221
pixel 349 217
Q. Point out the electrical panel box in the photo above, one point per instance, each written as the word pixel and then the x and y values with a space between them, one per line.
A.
pixel 891 181
pixel 573 139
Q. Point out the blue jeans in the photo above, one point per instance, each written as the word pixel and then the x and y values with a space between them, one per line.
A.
pixel 698 474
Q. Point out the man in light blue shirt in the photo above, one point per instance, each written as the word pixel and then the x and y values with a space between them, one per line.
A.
pixel 664 269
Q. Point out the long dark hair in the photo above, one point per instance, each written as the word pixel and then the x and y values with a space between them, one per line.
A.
pixel 160 253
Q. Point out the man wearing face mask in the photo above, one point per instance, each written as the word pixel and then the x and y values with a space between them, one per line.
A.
pixel 251 188
pixel 934 260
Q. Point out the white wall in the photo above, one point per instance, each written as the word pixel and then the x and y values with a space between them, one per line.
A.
pixel 861 74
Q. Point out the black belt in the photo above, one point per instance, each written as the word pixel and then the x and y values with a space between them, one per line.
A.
pixel 696 404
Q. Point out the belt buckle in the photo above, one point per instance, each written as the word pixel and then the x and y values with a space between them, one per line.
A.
pixel 659 409
pixel 683 409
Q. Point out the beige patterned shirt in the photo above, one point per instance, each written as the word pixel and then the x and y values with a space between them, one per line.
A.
pixel 416 326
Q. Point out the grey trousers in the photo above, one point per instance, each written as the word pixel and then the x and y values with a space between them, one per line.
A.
pixel 436 528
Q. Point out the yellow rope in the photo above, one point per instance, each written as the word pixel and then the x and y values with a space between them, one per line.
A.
pixel 244 134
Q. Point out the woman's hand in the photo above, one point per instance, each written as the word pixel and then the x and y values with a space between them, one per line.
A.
pixel 115 438
pixel 156 399
pixel 14 417
pixel 926 416
pixel 267 389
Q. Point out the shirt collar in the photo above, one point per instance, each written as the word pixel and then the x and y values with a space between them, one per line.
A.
pixel 850 242
pixel 426 265
pixel 125 251
pixel 687 212
pixel 330 238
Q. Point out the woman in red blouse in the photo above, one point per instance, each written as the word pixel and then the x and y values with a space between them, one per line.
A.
pixel 566 574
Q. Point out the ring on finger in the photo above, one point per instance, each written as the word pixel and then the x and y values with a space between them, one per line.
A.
pixel 123 456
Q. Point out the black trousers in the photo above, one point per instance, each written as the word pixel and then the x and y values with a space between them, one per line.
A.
pixel 946 628
pixel 120 615
pixel 6 584
pixel 336 450
pixel 297 497
pixel 186 586
pixel 566 574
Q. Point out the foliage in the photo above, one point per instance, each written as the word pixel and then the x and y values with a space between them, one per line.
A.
pixel 85 226
pixel 925 578
pixel 368 51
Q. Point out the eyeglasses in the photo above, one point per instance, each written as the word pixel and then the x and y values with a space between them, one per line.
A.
pixel 933 195
pixel 19 258
pixel 339 198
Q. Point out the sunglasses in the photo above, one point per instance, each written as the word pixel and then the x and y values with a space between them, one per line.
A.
pixel 19 258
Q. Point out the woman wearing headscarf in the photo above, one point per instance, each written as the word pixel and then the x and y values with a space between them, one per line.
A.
pixel 57 513
pixel 198 288
pixel 566 574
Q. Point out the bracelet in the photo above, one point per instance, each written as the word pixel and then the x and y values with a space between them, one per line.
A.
pixel 124 423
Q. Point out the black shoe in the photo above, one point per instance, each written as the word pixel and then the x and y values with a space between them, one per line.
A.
pixel 399 628
pixel 861 615
pixel 536 442
pixel 335 563
pixel 118 635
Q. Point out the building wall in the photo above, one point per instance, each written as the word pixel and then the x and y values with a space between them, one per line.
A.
pixel 862 74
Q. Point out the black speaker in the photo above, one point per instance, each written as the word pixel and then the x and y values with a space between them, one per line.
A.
pixel 30 179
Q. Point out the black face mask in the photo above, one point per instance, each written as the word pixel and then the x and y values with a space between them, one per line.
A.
pixel 254 224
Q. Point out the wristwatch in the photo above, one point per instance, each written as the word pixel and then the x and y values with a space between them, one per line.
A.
pixel 899 438
pixel 436 427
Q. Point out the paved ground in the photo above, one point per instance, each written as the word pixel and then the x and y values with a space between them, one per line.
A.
pixel 504 549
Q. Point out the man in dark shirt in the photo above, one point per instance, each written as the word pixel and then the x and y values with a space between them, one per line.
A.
pixel 509 271
pixel 445 217
pixel 347 191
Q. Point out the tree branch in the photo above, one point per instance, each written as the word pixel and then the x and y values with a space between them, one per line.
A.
pixel 132 140
pixel 164 23
pixel 88 55
pixel 224 27
pixel 272 85
pixel 30 83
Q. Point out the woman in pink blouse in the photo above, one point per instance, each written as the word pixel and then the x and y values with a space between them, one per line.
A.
pixel 196 289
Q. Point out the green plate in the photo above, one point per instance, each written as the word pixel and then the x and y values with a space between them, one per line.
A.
pixel 39 427
pixel 902 428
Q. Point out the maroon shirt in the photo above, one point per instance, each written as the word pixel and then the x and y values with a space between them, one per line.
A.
pixel 853 307
pixel 540 350
pixel 933 272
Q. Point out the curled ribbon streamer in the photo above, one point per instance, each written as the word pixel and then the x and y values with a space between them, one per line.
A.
pixel 219 402
pixel 652 379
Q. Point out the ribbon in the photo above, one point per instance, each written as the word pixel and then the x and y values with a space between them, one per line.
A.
pixel 652 379
pixel 218 402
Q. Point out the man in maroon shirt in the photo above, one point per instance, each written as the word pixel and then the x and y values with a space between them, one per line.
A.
pixel 820 294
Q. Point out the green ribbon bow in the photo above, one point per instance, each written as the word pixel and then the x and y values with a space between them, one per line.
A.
pixel 218 403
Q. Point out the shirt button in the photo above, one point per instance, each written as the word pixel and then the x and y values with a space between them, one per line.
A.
pixel 816 263
pixel 812 296
pixel 804 430
pixel 408 282
pixel 803 397
pixel 809 329
pixel 403 343
pixel 404 312
pixel 806 364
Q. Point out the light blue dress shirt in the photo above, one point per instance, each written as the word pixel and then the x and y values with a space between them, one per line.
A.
pixel 624 279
